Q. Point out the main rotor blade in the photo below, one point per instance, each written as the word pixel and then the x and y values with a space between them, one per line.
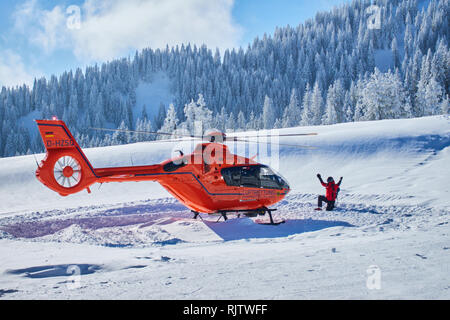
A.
pixel 278 144
pixel 275 135
pixel 169 140
pixel 148 132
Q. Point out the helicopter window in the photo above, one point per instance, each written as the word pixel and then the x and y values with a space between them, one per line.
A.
pixel 250 177
pixel 242 176
pixel 253 177
pixel 173 166
pixel 232 176
pixel 269 179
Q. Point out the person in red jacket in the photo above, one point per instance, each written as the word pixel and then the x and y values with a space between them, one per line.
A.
pixel 331 193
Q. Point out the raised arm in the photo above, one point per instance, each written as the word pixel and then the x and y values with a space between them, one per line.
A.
pixel 340 180
pixel 320 179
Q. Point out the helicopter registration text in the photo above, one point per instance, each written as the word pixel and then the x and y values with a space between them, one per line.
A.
pixel 64 143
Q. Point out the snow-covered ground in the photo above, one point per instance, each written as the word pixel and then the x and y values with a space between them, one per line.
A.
pixel 388 237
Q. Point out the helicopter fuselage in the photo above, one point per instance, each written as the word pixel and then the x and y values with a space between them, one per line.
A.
pixel 210 180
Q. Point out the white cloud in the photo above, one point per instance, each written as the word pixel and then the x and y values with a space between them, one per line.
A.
pixel 112 28
pixel 13 71
pixel 42 28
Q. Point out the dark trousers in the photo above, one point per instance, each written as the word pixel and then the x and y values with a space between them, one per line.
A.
pixel 330 204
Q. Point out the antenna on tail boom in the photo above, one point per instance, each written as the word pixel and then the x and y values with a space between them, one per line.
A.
pixel 37 163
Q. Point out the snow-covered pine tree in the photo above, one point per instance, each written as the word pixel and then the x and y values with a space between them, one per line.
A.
pixel 382 96
pixel 268 115
pixel 348 108
pixel 203 114
pixel 308 113
pixel 278 124
pixel 395 53
pixel 334 104
pixel 231 123
pixel 121 137
pixel 219 121
pixel 330 116
pixel 241 123
pixel 189 113
pixel 98 115
pixel 142 126
pixel 429 97
pixel 292 114
pixel 170 122
pixel 317 104
pixel 252 122
pixel 444 105
pixel 198 116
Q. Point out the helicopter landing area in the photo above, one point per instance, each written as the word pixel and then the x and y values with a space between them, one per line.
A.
pixel 164 221
pixel 158 251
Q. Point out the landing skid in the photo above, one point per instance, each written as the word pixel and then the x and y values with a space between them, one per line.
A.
pixel 272 223
pixel 248 213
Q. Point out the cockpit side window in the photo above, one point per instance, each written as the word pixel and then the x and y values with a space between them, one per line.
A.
pixel 269 180
pixel 232 176
pixel 250 177
pixel 253 177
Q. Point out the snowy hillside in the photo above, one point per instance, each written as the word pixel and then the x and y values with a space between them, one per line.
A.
pixel 131 240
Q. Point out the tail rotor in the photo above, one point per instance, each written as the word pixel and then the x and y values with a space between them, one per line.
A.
pixel 67 172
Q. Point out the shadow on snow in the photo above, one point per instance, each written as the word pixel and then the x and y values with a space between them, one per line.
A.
pixel 50 271
pixel 245 228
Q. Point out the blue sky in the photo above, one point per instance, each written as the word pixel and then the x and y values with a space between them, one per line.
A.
pixel 35 39
pixel 259 16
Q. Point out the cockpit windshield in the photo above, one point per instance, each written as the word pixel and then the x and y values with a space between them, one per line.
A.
pixel 258 176
pixel 271 180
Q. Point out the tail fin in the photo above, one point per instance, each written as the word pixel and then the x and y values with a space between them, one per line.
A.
pixel 66 168
pixel 55 134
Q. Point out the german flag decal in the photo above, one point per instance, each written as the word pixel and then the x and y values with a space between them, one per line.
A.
pixel 49 135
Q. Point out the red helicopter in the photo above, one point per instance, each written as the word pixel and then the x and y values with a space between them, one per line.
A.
pixel 210 180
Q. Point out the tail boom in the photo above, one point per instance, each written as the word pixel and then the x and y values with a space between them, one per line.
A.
pixel 66 169
pixel 126 174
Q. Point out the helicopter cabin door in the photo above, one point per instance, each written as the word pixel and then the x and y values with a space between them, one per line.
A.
pixel 251 182
pixel 245 181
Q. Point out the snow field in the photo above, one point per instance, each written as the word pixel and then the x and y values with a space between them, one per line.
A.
pixel 132 241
